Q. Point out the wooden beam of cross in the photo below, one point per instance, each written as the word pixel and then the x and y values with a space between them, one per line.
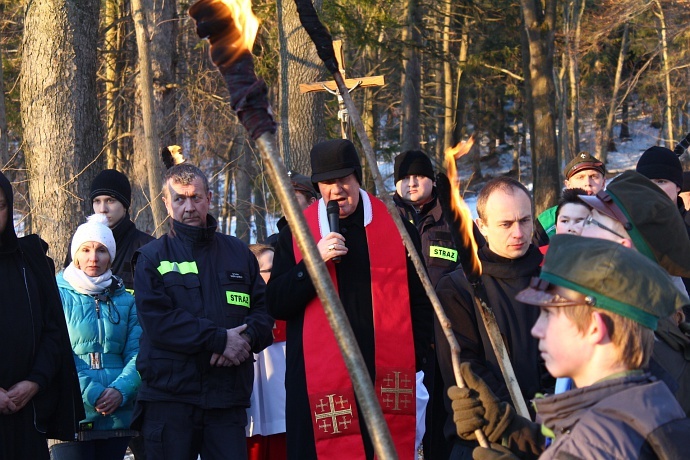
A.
pixel 351 83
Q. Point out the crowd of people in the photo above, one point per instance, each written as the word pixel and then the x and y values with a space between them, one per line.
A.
pixel 195 344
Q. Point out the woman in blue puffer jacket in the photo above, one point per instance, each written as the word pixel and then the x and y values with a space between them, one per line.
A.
pixel 104 332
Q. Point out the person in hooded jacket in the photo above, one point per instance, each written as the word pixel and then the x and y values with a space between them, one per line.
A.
pixel 104 332
pixel 39 390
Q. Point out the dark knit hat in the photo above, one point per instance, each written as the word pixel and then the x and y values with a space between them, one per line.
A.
pixel 112 183
pixel 302 183
pixel 583 161
pixel 334 159
pixel 611 276
pixel 413 163
pixel 660 163
pixel 652 220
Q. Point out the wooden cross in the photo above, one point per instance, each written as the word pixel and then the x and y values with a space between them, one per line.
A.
pixel 350 83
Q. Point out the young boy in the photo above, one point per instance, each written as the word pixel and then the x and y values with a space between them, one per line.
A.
pixel 600 303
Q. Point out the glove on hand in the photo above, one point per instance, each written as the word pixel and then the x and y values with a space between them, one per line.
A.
pixel 496 452
pixel 477 407
pixel 214 21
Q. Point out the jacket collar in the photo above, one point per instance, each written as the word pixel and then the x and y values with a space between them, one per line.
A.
pixel 121 228
pixel 194 235
pixel 500 267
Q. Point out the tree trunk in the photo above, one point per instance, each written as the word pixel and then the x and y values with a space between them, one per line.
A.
pixel 59 112
pixel 410 101
pixel 4 142
pixel 151 116
pixel 668 111
pixel 448 127
pixel 540 28
pixel 301 121
pixel 624 135
pixel 111 48
pixel 243 181
pixel 575 9
pixel 460 94
pixel 609 144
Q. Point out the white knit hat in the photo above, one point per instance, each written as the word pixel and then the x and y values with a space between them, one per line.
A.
pixel 95 229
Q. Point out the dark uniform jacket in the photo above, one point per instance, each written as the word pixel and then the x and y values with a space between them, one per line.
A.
pixel 503 279
pixel 127 240
pixel 191 286
pixel 290 290
pixel 438 249
pixel 33 333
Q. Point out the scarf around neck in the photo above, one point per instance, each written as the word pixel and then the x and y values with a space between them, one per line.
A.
pixel 85 284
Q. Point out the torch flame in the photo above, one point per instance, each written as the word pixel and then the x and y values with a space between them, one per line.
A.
pixel 246 23
pixel 460 209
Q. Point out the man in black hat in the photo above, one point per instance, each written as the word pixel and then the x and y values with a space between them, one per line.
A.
pixel 111 195
pixel 384 300
pixel 415 197
pixel 584 171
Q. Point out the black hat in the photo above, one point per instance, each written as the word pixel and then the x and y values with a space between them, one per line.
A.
pixel 302 183
pixel 660 163
pixel 334 159
pixel 113 183
pixel 413 163
pixel 611 276
pixel 583 161
pixel 652 220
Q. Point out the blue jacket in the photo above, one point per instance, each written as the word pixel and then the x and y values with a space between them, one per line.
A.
pixel 191 286
pixel 104 324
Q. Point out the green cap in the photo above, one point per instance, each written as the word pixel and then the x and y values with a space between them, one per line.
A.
pixel 611 276
pixel 582 161
pixel 651 219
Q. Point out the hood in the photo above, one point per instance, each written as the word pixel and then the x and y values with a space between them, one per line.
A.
pixel 8 238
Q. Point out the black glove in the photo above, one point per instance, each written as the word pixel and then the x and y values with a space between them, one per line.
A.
pixel 496 452
pixel 476 407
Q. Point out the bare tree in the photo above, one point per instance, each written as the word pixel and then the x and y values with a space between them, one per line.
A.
pixel 301 119
pixel 59 112
pixel 540 27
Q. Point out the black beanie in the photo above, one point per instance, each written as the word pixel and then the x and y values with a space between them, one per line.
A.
pixel 113 183
pixel 660 163
pixel 413 163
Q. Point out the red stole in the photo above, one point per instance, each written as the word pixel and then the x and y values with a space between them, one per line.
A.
pixel 331 396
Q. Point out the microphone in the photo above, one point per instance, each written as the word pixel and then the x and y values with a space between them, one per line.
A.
pixel 333 213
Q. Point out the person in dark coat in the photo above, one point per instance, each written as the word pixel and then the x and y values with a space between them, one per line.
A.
pixel 111 195
pixel 509 262
pixel 399 307
pixel 305 194
pixel 39 389
pixel 417 200
pixel 200 302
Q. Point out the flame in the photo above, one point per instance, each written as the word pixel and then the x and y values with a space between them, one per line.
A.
pixel 460 209
pixel 246 23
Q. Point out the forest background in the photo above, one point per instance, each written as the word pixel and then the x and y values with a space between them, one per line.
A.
pixel 89 84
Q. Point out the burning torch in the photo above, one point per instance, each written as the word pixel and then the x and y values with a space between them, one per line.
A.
pixel 231 27
pixel 456 211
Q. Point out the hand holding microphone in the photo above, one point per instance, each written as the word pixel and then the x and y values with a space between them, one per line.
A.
pixel 332 246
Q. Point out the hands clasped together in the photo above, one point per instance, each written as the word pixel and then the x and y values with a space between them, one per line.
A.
pixel 237 349
pixel 19 394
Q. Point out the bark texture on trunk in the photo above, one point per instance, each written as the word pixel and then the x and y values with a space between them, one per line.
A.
pixel 301 121
pixel 59 113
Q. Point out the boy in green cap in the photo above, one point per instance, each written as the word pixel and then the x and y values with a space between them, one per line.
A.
pixel 600 303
